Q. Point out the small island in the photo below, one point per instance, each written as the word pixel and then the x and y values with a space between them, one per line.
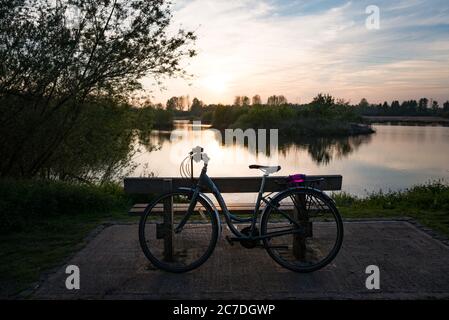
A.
pixel 324 116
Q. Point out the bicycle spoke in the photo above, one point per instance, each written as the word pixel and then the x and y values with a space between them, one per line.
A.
pixel 278 247
pixel 286 215
pixel 178 249
pixel 316 239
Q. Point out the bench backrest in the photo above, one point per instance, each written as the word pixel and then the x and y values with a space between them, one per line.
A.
pixel 227 184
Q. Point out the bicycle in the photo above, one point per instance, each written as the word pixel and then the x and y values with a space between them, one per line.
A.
pixel 300 227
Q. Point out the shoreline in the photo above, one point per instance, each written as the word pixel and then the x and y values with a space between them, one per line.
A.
pixel 430 120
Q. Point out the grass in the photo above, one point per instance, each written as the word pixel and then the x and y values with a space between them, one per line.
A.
pixel 436 220
pixel 41 238
pixel 42 222
pixel 427 203
pixel 43 245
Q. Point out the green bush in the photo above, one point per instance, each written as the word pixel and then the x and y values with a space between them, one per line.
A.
pixel 151 117
pixel 225 116
pixel 27 201
pixel 265 117
pixel 207 117
pixel 433 196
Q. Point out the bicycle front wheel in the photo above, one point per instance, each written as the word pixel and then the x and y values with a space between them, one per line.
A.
pixel 174 251
pixel 303 229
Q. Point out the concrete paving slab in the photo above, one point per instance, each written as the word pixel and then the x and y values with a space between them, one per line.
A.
pixel 413 265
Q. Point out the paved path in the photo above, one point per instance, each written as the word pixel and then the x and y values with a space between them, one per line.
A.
pixel 412 265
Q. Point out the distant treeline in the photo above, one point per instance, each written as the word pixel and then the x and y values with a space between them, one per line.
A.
pixel 182 106
pixel 324 116
pixel 422 107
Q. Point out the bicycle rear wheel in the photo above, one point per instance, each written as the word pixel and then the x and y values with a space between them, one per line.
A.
pixel 178 251
pixel 304 229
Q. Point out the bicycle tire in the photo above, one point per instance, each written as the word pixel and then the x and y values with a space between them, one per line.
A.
pixel 168 266
pixel 305 192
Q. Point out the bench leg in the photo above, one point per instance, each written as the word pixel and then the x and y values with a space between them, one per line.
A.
pixel 168 229
pixel 299 240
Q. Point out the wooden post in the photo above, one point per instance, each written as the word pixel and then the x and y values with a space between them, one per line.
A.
pixel 168 223
pixel 301 216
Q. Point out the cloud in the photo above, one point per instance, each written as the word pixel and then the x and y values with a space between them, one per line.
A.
pixel 299 49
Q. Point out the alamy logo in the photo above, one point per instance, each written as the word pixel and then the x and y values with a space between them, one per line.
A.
pixel 373 280
pixel 73 280
pixel 259 143
pixel 372 22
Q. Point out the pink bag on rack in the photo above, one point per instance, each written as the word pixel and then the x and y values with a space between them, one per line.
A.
pixel 296 179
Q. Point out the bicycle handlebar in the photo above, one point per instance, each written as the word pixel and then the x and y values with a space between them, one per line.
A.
pixel 196 150
pixel 197 154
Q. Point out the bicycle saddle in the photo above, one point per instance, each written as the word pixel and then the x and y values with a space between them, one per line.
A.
pixel 266 169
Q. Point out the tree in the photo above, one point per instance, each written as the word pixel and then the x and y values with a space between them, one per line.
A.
pixel 256 100
pixel 238 101
pixel 245 101
pixel 172 103
pixel 282 100
pixel 413 106
pixel 180 103
pixel 51 69
pixel 435 106
pixel 422 104
pixel 197 106
pixel 241 101
pixel 276 100
pixel 323 100
pixel 183 103
pixel 395 106
pixel 364 103
pixel 409 107
pixel 446 106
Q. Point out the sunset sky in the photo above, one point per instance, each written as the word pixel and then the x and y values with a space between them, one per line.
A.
pixel 299 48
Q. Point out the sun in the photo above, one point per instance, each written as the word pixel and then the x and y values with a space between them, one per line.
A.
pixel 217 83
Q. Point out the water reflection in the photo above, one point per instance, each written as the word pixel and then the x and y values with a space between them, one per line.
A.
pixel 324 150
pixel 395 157
pixel 321 150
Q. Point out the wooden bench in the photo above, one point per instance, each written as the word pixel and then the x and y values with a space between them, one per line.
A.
pixel 225 185
pixel 180 208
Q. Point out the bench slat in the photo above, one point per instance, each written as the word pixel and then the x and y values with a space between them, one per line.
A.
pixel 227 184
pixel 239 208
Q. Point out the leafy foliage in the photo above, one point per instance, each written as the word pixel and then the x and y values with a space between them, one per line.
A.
pixel 225 116
pixel 53 72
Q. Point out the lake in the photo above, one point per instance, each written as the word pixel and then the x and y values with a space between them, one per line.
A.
pixel 393 158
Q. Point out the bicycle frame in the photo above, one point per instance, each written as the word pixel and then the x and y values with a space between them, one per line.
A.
pixel 205 182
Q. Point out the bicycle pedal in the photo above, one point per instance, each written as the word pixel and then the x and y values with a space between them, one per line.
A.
pixel 228 238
